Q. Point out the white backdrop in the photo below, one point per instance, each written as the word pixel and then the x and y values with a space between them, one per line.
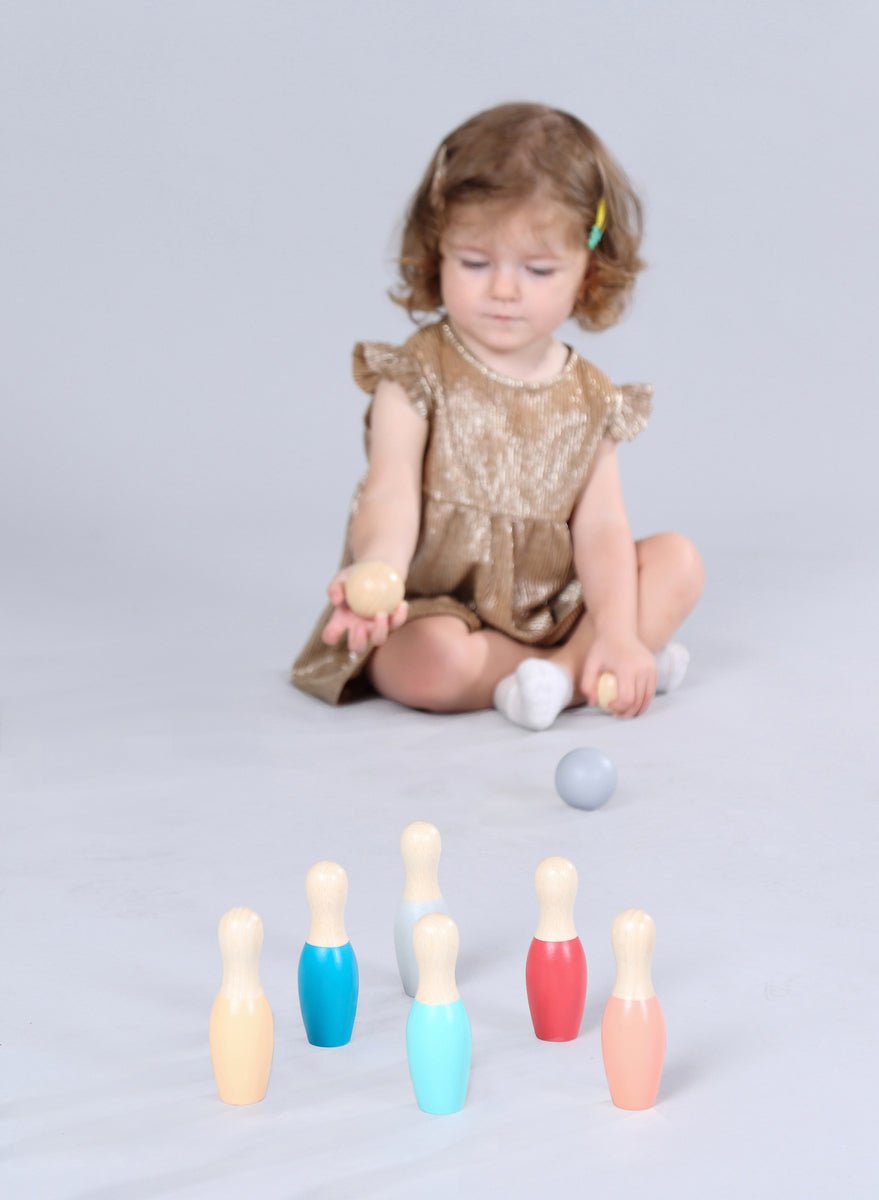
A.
pixel 199 201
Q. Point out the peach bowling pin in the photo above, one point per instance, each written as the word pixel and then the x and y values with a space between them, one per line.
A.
pixel 438 1036
pixel 328 977
pixel 420 846
pixel 555 971
pixel 241 1025
pixel 633 1027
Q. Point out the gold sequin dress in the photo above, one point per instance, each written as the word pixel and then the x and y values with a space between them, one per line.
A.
pixel 504 465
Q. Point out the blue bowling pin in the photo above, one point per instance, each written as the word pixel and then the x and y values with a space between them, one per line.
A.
pixel 438 1037
pixel 328 976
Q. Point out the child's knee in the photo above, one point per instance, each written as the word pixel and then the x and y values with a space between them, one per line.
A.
pixel 688 570
pixel 425 669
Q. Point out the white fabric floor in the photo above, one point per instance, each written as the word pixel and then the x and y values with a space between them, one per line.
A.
pixel 153 779
pixel 198 227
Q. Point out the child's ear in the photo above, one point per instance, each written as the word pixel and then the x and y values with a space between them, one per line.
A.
pixel 584 283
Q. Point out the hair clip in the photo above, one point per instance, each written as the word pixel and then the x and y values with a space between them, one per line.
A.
pixel 597 231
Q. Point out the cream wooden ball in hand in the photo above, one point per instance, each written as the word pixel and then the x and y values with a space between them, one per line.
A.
pixel 373 587
pixel 607 690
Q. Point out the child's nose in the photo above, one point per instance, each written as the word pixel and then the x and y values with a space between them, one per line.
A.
pixel 505 283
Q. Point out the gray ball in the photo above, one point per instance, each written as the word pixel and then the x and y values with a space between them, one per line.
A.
pixel 586 778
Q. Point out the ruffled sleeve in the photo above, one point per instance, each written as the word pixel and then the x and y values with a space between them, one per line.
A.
pixel 373 361
pixel 628 411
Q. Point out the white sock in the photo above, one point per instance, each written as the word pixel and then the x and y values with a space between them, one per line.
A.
pixel 535 694
pixel 671 666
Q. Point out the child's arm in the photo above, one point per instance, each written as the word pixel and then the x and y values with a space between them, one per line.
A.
pixel 385 526
pixel 606 565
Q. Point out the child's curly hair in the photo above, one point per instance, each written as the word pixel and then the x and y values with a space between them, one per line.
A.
pixel 509 155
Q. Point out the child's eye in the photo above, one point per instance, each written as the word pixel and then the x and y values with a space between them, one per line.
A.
pixel 472 264
pixel 542 270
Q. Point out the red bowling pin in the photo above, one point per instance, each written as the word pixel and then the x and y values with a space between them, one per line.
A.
pixel 555 973
pixel 633 1027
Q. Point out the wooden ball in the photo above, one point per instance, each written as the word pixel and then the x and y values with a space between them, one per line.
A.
pixel 607 690
pixel 373 587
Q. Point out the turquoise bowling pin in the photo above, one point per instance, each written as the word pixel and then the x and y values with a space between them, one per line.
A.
pixel 438 1037
pixel 328 977
pixel 420 846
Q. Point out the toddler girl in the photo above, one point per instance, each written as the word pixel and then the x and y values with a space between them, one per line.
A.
pixel 493 486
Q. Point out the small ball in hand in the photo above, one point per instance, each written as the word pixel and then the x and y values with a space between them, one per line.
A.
pixel 607 690
pixel 373 587
pixel 586 778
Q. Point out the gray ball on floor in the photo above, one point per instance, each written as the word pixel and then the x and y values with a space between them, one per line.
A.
pixel 586 778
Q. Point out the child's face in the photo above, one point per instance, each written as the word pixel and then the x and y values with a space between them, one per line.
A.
pixel 509 282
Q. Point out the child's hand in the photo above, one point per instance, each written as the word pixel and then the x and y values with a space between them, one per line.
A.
pixel 634 667
pixel 364 633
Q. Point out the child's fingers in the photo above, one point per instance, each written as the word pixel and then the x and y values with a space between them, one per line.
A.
pixel 645 687
pixel 631 695
pixel 623 705
pixel 398 616
pixel 334 628
pixel 589 682
pixel 336 587
pixel 378 633
pixel 362 632
pixel 358 635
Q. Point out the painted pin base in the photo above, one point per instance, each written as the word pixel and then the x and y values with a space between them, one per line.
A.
pixel 329 984
pixel 242 1041
pixel 633 1048
pixel 438 1046
pixel 555 979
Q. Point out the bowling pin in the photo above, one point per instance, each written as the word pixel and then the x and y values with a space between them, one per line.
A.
pixel 328 976
pixel 420 846
pixel 438 1037
pixel 555 971
pixel 633 1027
pixel 241 1025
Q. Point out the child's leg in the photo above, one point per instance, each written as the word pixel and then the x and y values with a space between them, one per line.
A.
pixel 436 663
pixel 669 584
pixel 671 578
pixel 670 581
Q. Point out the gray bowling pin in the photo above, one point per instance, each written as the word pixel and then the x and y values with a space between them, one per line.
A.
pixel 420 846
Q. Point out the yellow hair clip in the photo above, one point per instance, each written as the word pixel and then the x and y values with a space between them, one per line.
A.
pixel 597 230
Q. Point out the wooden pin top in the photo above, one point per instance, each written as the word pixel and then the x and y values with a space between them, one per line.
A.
pixel 435 939
pixel 421 846
pixel 240 934
pixel 555 881
pixel 633 936
pixel 326 889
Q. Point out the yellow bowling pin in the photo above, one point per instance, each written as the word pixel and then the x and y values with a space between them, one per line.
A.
pixel 241 1026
